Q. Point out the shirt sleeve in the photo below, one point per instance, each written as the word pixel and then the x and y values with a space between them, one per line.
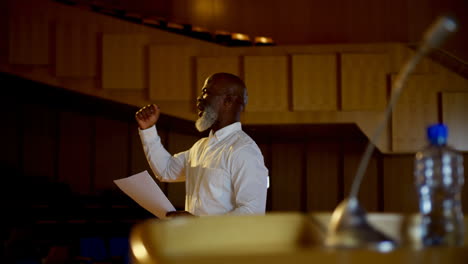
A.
pixel 250 181
pixel 167 168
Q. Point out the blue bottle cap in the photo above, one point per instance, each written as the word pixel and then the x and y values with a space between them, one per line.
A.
pixel 437 134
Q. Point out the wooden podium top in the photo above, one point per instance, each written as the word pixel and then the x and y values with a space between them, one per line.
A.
pixel 277 238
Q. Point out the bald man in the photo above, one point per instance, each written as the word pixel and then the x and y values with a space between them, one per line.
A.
pixel 224 172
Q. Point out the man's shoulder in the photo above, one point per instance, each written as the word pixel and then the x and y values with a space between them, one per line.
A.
pixel 241 141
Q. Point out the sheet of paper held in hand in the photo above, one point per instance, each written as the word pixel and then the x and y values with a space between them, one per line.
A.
pixel 144 190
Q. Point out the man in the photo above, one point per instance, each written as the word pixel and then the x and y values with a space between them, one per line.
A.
pixel 224 172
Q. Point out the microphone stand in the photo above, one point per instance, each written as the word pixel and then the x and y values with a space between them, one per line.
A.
pixel 348 226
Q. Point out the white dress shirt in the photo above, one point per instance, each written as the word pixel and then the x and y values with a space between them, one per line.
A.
pixel 223 173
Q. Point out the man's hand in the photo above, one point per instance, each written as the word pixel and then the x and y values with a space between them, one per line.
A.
pixel 178 214
pixel 147 116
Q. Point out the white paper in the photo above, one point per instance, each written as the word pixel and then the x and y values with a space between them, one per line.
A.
pixel 144 190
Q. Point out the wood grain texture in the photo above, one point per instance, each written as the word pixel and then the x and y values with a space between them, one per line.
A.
pixel 29 38
pixel 4 31
pixel 399 192
pixel 455 116
pixel 171 73
pixel 364 81
pixel 323 175
pixel 266 78
pixel 416 109
pixel 286 176
pixel 76 53
pixel 124 61
pixel 314 80
pixel 369 195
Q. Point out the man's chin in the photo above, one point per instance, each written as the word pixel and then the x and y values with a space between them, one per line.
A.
pixel 200 126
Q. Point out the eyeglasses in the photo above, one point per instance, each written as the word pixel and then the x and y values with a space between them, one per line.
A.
pixel 206 93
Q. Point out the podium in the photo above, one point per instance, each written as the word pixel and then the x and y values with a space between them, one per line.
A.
pixel 277 238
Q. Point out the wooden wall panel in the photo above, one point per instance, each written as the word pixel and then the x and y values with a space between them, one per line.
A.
pixel 455 116
pixel 176 143
pixel 399 193
pixel 369 195
pixel 4 27
pixel 267 81
pixel 76 151
pixel 286 178
pixel 112 150
pixel 39 141
pixel 364 81
pixel 323 175
pixel 314 80
pixel 206 66
pixel 124 61
pixel 171 73
pixel 416 109
pixel 29 38
pixel 76 53
pixel 452 82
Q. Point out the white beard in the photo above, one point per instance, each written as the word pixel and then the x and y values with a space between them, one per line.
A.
pixel 207 119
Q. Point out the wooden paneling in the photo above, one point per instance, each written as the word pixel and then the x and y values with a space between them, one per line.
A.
pixel 369 190
pixel 112 150
pixel 178 142
pixel 416 109
pixel 29 38
pixel 76 49
pixel 451 81
pixel 399 192
pixel 76 151
pixel 207 66
pixel 266 78
pixel 39 141
pixel 314 80
pixel 455 116
pixel 287 170
pixel 171 75
pixel 4 42
pixel 323 175
pixel 124 61
pixel 364 81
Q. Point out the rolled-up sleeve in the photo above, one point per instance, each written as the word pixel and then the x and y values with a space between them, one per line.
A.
pixel 166 167
pixel 250 181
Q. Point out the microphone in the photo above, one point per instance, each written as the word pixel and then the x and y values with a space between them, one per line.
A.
pixel 348 227
pixel 438 32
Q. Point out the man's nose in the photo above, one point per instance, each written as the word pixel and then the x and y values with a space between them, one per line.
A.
pixel 200 99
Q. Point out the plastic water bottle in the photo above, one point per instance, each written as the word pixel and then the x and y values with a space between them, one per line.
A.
pixel 439 180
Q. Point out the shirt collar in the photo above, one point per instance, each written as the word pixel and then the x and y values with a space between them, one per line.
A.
pixel 226 131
